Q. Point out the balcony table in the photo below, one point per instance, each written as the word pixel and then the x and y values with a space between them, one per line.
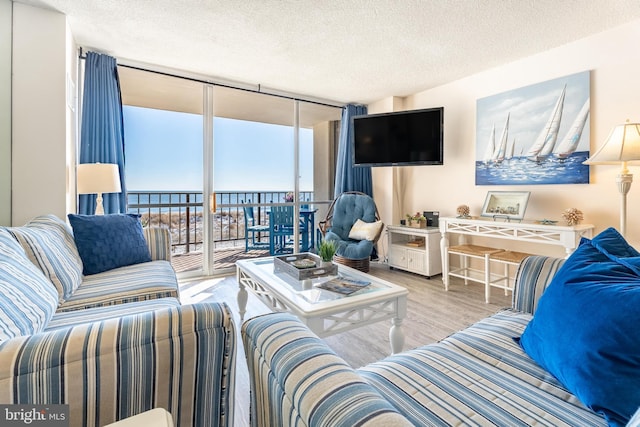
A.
pixel 279 232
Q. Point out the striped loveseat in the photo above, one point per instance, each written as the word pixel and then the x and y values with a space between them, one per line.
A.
pixel 476 377
pixel 109 345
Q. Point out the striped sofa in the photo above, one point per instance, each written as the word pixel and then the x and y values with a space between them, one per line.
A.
pixel 113 344
pixel 476 377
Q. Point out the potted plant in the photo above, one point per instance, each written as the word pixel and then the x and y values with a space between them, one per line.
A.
pixel 416 220
pixel 326 250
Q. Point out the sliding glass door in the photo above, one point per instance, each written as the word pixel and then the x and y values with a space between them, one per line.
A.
pixel 252 171
pixel 211 163
pixel 318 127
pixel 164 163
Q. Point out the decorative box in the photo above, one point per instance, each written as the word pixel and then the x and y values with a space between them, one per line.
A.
pixel 287 264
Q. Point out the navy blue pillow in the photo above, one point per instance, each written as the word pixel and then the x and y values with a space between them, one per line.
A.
pixel 106 242
pixel 610 242
pixel 585 331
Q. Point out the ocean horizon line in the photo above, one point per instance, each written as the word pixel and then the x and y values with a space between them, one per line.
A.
pixel 215 191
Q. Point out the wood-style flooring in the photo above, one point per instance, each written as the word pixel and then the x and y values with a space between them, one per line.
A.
pixel 432 314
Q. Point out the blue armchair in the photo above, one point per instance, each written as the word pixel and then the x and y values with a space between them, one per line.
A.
pixel 343 213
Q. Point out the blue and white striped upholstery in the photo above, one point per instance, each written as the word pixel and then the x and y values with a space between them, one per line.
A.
pixel 159 243
pixel 49 244
pixel 479 376
pixel 27 298
pixel 533 276
pixel 139 282
pixel 181 359
pixel 476 377
pixel 96 314
pixel 298 381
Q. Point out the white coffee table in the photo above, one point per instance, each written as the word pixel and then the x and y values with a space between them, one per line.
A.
pixel 324 312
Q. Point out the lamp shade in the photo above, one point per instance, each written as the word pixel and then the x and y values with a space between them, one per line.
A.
pixel 621 146
pixel 94 178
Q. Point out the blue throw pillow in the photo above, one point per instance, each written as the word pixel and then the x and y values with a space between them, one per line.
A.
pixel 106 242
pixel 585 331
pixel 611 242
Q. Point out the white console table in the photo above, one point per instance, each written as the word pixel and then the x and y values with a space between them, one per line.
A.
pixel 526 231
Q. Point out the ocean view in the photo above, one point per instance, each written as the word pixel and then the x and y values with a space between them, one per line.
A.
pixel 181 212
pixel 184 198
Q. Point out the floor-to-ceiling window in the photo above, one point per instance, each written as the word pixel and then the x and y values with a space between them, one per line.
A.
pixel 187 139
pixel 164 162
pixel 253 166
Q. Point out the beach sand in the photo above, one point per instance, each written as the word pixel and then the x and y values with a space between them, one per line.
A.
pixel 227 226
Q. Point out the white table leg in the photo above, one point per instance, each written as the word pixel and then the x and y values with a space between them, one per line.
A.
pixel 444 253
pixel 487 278
pixel 242 299
pixel 396 335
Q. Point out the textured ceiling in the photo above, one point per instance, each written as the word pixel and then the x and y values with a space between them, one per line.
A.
pixel 346 51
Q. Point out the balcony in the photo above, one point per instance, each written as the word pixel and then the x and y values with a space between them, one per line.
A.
pixel 182 213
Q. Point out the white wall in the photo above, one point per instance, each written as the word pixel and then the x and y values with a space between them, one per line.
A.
pixel 72 112
pixel 5 112
pixel 615 97
pixel 39 114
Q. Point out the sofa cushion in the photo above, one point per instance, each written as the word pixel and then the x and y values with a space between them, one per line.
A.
pixel 585 331
pixel 49 244
pixel 138 282
pixel 477 377
pixel 97 314
pixel 27 298
pixel 106 242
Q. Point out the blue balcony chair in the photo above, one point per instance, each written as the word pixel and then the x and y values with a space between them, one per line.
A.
pixel 252 230
pixel 342 214
pixel 281 230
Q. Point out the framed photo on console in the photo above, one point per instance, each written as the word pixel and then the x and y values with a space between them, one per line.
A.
pixel 506 204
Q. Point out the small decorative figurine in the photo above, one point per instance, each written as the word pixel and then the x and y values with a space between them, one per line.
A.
pixel 463 211
pixel 572 216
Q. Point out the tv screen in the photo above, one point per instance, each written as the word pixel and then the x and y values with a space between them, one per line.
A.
pixel 401 138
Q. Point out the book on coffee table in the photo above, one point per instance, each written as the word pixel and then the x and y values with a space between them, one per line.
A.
pixel 343 285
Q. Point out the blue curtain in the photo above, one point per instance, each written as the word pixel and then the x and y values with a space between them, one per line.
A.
pixel 102 134
pixel 349 178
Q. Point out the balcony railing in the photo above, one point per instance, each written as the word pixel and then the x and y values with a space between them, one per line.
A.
pixel 182 212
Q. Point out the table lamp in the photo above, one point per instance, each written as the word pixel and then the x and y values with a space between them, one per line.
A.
pixel 621 147
pixel 98 178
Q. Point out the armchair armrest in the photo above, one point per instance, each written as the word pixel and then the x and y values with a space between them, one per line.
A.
pixel 297 380
pixel 181 359
pixel 534 275
pixel 324 226
pixel 159 242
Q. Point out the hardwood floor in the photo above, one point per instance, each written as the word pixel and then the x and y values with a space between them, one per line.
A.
pixel 432 314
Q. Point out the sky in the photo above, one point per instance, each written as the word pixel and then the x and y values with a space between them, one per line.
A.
pixel 529 108
pixel 163 151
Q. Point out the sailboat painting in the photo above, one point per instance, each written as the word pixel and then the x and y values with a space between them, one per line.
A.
pixel 544 134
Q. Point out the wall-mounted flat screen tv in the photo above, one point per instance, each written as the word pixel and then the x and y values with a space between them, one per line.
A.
pixel 399 139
